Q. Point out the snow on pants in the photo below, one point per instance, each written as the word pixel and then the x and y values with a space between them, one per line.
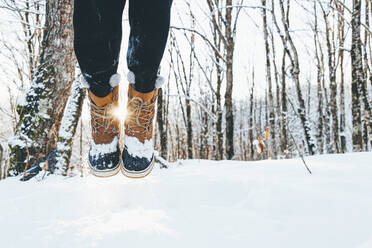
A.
pixel 98 32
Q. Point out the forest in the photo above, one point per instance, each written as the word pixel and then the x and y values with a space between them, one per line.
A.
pixel 296 74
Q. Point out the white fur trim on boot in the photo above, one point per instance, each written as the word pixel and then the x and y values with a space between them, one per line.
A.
pixel 158 83
pixel 115 80
pixel 131 77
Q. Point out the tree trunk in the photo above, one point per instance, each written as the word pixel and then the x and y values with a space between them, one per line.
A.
pixel 341 37
pixel 357 75
pixel 220 150
pixel 189 127
pixel 333 86
pixel 278 99
pixel 284 140
pixel 69 123
pixel 42 109
pixel 320 73
pixel 272 118
pixel 2 171
pixel 230 44
pixel 161 116
pixel 250 120
pixel 364 87
pixel 216 19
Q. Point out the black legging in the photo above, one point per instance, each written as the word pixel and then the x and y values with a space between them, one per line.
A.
pixel 97 27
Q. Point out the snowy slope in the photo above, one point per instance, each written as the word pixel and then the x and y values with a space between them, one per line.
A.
pixel 198 204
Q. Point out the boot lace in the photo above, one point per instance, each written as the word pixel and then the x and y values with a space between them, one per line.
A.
pixel 137 120
pixel 103 118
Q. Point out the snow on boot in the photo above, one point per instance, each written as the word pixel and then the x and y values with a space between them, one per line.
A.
pixel 104 153
pixel 138 152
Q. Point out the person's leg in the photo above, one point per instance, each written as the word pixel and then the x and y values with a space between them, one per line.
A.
pixel 149 22
pixel 97 31
pixel 97 27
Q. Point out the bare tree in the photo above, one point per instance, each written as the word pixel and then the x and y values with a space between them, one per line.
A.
pixel 341 37
pixel 291 51
pixel 272 117
pixel 358 77
pixel 332 69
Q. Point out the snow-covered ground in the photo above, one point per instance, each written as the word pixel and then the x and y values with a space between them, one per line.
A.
pixel 198 204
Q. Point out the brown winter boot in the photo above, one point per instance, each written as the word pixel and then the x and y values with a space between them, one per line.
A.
pixel 138 153
pixel 104 153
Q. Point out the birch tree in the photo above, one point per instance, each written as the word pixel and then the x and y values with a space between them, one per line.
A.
pixel 358 77
pixel 272 117
pixel 291 52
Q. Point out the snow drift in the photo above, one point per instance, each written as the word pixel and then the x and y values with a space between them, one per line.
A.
pixel 198 204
